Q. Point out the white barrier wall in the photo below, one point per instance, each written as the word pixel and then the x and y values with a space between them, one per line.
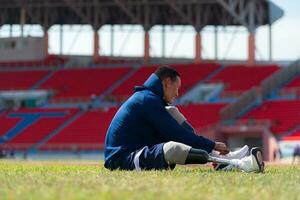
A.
pixel 22 49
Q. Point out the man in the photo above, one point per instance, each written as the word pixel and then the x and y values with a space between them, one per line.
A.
pixel 296 152
pixel 147 134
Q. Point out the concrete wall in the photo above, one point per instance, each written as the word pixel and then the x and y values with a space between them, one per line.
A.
pixel 252 135
pixel 21 49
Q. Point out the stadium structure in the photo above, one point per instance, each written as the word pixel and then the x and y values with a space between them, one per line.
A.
pixel 49 104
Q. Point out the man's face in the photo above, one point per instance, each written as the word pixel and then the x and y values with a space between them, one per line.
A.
pixel 171 89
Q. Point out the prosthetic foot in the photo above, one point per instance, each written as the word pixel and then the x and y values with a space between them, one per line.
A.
pixel 231 155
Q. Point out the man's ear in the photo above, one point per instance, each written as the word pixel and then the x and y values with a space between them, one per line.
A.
pixel 168 81
pixel 164 82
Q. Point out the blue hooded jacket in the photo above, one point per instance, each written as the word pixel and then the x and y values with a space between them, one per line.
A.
pixel 143 121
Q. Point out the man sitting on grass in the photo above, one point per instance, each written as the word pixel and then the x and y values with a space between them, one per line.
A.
pixel 146 133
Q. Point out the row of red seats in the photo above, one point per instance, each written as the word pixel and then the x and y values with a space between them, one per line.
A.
pixel 284 115
pixel 78 83
pixel 69 83
pixel 88 131
pixel 20 80
pixel 239 78
pixel 33 133
pixel 202 116
pixel 191 74
pixel 82 83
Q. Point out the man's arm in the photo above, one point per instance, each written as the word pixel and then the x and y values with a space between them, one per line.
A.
pixel 157 115
pixel 182 121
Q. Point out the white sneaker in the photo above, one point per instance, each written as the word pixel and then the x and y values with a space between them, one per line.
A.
pixel 238 154
pixel 252 163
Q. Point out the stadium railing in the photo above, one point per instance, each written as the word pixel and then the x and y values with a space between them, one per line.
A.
pixel 255 94
pixel 232 110
pixel 279 78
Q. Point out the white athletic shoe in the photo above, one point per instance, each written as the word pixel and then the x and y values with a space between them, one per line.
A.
pixel 238 154
pixel 252 163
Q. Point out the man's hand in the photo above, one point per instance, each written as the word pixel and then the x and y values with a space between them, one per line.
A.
pixel 221 147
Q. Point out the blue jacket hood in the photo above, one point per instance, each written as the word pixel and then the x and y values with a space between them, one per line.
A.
pixel 154 84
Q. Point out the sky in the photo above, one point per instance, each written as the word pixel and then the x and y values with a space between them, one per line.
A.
pixel 179 40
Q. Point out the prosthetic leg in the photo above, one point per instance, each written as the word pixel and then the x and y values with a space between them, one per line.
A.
pixel 178 153
pixel 252 163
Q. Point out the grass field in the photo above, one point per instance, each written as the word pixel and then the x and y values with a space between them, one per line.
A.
pixel 89 180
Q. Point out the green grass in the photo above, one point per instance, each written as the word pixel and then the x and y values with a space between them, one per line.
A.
pixel 85 180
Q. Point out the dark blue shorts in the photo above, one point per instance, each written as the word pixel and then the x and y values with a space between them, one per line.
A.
pixel 146 158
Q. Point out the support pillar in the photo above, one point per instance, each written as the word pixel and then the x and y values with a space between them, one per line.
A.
pixel 22 21
pixel 270 43
pixel 147 47
pixel 46 43
pixel 163 41
pixel 96 55
pixel 216 43
pixel 198 47
pixel 10 30
pixel 251 49
pixel 112 39
pixel 61 35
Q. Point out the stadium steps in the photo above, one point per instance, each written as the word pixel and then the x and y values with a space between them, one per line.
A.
pixel 21 79
pixel 44 79
pixel 119 82
pixel 236 83
pixel 86 133
pixel 56 131
pixel 67 87
pixel 18 128
pixel 283 114
pixel 259 101
pixel 214 73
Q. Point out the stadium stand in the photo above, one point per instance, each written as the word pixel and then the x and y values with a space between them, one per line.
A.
pixel 233 76
pixel 82 83
pixel 138 78
pixel 294 83
pixel 202 115
pixel 190 75
pixel 7 123
pixel 85 133
pixel 292 88
pixel 283 114
pixel 26 127
pixel 20 80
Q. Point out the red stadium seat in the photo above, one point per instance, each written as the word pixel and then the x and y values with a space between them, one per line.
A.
pixel 20 80
pixel 202 115
pixel 283 114
pixel 239 78
pixel 72 83
pixel 87 132
pixel 190 75
pixel 36 131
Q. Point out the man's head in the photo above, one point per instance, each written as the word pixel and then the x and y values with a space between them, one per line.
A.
pixel 171 82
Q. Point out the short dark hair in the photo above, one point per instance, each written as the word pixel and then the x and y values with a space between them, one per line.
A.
pixel 167 72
